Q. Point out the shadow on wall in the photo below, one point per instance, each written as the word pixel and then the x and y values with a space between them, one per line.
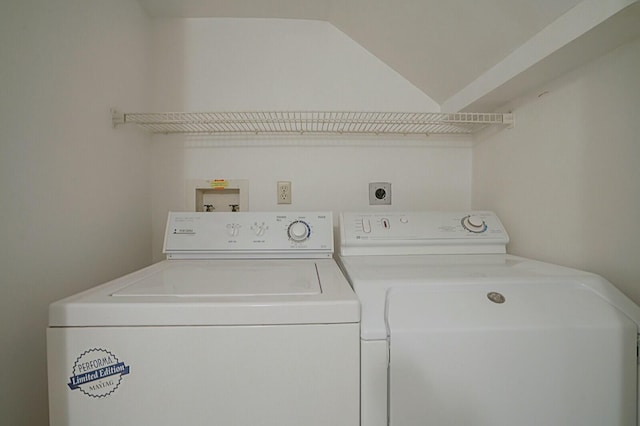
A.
pixel 74 191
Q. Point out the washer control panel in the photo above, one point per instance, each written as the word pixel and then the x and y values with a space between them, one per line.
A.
pixel 196 235
pixel 421 233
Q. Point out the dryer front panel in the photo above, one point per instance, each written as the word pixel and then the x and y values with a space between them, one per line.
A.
pixel 504 355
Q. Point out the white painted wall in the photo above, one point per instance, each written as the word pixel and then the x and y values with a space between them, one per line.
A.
pixel 75 210
pixel 266 64
pixel 566 179
pixel 75 193
pixel 254 64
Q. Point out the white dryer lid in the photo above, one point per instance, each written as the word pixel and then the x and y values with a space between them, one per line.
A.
pixel 227 278
pixel 375 278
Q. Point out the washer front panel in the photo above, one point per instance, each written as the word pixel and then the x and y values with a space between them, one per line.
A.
pixel 280 375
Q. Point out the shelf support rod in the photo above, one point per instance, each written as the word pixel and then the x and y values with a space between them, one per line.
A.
pixel 508 120
pixel 117 118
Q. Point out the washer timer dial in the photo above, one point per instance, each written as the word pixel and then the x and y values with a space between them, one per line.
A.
pixel 474 224
pixel 299 231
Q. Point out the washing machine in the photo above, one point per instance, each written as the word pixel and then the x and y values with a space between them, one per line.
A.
pixel 248 322
pixel 454 331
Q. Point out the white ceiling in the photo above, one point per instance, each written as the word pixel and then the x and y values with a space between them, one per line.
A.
pixel 455 51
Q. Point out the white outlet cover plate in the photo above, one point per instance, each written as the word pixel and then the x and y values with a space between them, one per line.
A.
pixel 284 192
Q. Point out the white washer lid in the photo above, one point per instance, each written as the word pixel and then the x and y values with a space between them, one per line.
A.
pixel 226 278
pixel 214 293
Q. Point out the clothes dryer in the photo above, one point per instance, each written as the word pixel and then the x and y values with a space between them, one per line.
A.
pixel 248 322
pixel 454 331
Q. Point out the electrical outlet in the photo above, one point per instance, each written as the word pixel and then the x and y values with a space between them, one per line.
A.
pixel 284 192
pixel 379 193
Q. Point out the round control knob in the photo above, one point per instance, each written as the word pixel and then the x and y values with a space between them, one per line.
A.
pixel 474 224
pixel 299 231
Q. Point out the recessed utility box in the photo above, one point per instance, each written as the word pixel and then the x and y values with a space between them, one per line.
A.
pixel 379 193
pixel 217 195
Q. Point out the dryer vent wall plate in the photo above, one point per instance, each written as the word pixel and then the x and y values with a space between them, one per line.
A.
pixel 379 193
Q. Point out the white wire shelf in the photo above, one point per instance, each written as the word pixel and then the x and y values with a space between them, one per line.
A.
pixel 312 122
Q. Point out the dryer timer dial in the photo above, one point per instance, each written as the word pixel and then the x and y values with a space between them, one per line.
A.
pixel 474 224
pixel 299 231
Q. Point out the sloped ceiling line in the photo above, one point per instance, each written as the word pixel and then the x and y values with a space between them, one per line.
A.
pixel 464 54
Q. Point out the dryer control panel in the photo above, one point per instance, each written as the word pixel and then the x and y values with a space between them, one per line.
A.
pixel 198 235
pixel 421 233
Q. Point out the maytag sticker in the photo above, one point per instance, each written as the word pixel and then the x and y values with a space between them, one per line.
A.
pixel 97 373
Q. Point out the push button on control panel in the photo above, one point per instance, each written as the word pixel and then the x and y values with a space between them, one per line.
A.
pixel 366 226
